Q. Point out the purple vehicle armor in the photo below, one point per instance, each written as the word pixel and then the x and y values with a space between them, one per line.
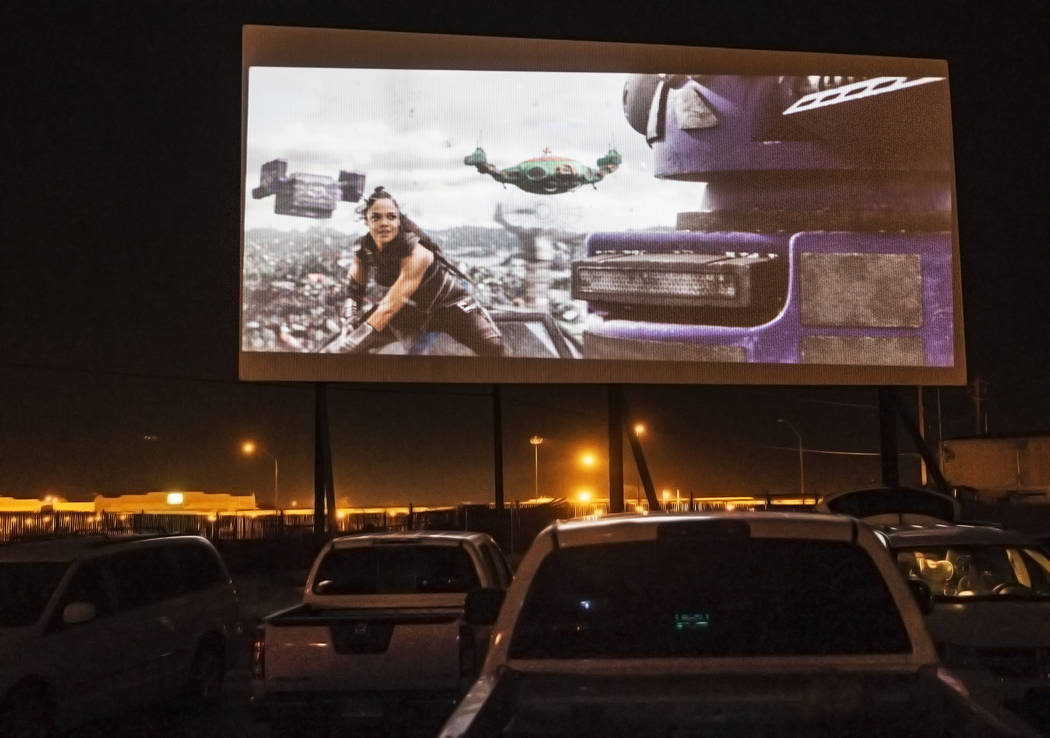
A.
pixel 824 233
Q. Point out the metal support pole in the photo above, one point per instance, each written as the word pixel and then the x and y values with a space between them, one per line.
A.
pixel 643 472
pixel 615 398
pixel 801 462
pixel 497 444
pixel 536 471
pixel 932 463
pixel 920 406
pixel 536 442
pixel 888 437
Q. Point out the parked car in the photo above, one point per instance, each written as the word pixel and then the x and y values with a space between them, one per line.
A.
pixel 98 624
pixel 992 602
pixel 379 633
pixel 738 624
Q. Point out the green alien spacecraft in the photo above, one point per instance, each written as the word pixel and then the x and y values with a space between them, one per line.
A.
pixel 547 174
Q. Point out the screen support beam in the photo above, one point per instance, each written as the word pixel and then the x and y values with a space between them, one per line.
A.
pixel 615 413
pixel 497 444
pixel 933 466
pixel 888 438
pixel 619 417
pixel 890 409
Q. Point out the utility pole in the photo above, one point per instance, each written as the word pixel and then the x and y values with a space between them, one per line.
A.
pixel 978 388
pixel 940 434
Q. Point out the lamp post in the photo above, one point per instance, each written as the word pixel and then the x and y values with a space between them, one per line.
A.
pixel 801 467
pixel 639 431
pixel 248 448
pixel 536 441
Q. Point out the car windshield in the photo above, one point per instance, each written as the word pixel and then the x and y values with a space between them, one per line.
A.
pixel 708 597
pixel 978 570
pixel 27 586
pixel 395 569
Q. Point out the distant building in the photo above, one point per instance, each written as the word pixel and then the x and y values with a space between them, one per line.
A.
pixel 1005 468
pixel 167 503
pixel 176 502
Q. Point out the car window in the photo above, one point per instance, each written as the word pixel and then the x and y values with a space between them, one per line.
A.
pixel 496 563
pixel 89 583
pixel 27 587
pixel 1038 566
pixel 977 570
pixel 395 569
pixel 143 576
pixel 197 567
pixel 710 597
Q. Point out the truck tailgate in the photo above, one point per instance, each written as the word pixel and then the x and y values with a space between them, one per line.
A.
pixel 309 649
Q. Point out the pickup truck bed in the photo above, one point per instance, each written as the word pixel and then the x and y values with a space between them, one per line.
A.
pixel 528 705
pixel 380 625
pixel 363 649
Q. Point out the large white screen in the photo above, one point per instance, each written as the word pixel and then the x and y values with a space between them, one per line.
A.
pixel 755 217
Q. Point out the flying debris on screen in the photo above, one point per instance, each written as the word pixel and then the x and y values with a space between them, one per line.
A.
pixel 307 195
pixel 547 174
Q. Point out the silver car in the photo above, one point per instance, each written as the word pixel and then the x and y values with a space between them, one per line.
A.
pixel 94 625
pixel 991 611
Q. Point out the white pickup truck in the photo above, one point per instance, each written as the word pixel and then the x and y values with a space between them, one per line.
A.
pixel 738 624
pixel 379 631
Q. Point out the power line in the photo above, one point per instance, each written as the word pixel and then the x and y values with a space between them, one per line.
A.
pixel 827 452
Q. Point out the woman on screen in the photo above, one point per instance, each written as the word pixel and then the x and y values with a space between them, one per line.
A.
pixel 425 293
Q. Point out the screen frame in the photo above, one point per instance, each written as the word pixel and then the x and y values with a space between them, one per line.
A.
pixel 318 47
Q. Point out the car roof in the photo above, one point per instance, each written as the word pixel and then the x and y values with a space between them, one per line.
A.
pixel 796 525
pixel 893 505
pixel 66 548
pixel 958 535
pixel 420 536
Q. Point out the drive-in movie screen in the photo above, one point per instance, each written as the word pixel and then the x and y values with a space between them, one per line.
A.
pixel 530 211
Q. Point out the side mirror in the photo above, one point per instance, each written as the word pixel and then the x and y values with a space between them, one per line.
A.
pixel 923 595
pixel 78 612
pixel 483 606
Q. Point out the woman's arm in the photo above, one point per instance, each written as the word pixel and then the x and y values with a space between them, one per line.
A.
pixel 358 271
pixel 413 267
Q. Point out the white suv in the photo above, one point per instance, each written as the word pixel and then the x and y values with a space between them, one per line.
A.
pixel 98 624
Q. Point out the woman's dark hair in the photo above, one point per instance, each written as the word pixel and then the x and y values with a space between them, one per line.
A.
pixel 407 224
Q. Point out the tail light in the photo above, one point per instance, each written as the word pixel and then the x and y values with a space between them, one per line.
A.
pixel 259 653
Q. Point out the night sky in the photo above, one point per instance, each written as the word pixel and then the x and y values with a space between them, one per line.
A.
pixel 121 258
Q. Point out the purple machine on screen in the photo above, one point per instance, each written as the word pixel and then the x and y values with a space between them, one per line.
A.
pixel 823 234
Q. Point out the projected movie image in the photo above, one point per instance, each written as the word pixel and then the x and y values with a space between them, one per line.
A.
pixel 764 219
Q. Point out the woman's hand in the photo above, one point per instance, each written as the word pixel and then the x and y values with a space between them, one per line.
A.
pixel 360 340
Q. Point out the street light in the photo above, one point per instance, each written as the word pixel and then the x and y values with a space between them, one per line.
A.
pixel 639 431
pixel 536 441
pixel 248 448
pixel 801 466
